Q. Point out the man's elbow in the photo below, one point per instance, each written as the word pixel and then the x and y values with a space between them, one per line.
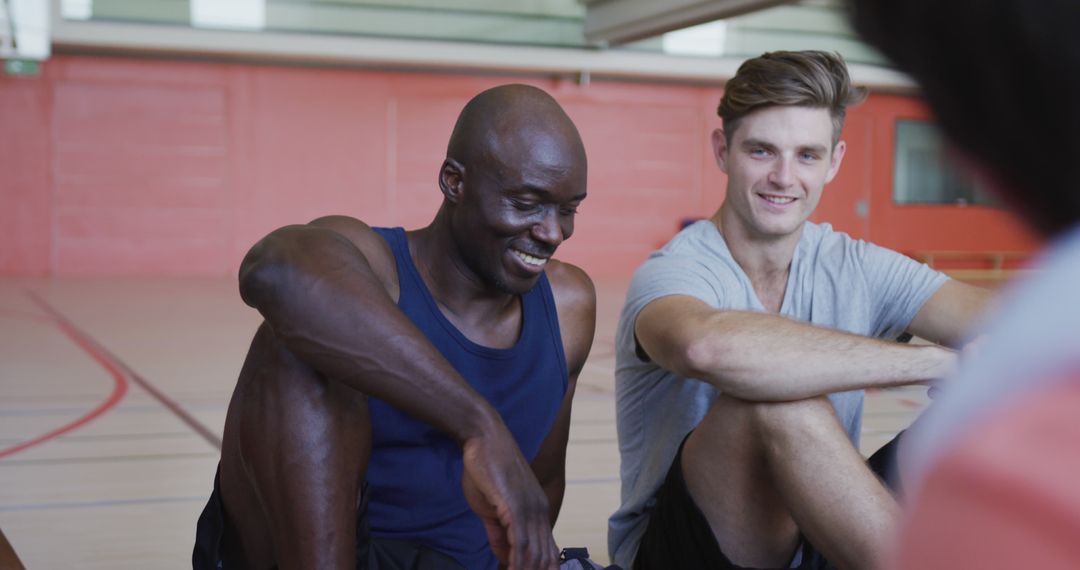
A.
pixel 702 358
pixel 718 363
pixel 265 267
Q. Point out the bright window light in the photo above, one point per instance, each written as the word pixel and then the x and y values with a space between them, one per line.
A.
pixel 704 39
pixel 30 23
pixel 76 9
pixel 242 14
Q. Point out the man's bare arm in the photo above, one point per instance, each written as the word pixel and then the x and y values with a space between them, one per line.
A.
pixel 950 315
pixel 319 293
pixel 575 299
pixel 764 357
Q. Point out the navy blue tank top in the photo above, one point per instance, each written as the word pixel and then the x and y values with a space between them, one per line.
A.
pixel 414 475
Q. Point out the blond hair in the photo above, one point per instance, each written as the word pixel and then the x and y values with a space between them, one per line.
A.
pixel 790 78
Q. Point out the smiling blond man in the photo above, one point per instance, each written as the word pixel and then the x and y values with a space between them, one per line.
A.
pixel 746 342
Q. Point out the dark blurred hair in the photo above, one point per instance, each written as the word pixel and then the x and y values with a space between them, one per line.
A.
pixel 790 78
pixel 1003 78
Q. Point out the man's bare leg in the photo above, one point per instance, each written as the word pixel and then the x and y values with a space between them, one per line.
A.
pixel 761 472
pixel 295 450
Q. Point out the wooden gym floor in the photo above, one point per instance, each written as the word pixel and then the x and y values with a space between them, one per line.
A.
pixel 113 395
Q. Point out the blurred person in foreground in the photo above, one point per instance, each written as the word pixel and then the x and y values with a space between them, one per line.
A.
pixel 992 467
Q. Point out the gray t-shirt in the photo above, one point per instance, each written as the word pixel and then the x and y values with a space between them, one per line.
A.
pixel 834 282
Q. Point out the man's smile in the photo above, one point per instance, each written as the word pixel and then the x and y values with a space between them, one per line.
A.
pixel 530 260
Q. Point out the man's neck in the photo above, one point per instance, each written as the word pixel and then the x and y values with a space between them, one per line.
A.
pixel 461 295
pixel 766 260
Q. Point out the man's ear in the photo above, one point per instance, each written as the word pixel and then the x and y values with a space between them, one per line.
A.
pixel 452 180
pixel 720 149
pixel 836 157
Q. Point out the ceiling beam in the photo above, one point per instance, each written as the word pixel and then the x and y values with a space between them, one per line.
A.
pixel 613 22
pixel 88 36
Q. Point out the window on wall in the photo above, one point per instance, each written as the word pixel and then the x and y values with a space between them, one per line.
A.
pixel 923 175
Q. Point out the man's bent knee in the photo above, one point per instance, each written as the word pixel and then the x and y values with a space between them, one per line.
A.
pixel 758 421
pixel 772 418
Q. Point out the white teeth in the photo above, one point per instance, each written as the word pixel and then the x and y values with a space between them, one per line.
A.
pixel 778 199
pixel 530 259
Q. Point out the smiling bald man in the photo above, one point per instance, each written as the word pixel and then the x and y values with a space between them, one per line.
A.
pixel 406 402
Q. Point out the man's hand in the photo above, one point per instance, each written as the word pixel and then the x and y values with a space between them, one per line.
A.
pixel 501 488
pixel 966 353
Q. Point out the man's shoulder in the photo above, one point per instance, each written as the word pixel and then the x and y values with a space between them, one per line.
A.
pixel 698 237
pixel 375 248
pixel 696 263
pixel 575 306
pixel 699 245
pixel 353 229
pixel 831 246
pixel 565 274
pixel 571 287
pixel 698 250
pixel 823 235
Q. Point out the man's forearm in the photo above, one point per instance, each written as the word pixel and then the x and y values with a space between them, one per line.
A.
pixel 554 490
pixel 770 358
pixel 763 357
pixel 321 298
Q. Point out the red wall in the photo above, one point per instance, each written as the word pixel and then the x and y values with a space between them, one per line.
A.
pixel 25 177
pixel 917 227
pixel 867 174
pixel 154 166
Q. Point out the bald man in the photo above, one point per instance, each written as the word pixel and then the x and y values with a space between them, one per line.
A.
pixel 406 402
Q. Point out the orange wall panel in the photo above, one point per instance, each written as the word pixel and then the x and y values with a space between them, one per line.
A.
pixel 319 141
pixel 919 227
pixel 644 175
pixel 113 165
pixel 140 169
pixel 424 118
pixel 25 195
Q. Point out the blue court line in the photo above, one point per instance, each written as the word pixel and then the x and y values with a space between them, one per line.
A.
pixel 99 504
pixel 113 436
pixel 591 440
pixel 110 437
pixel 601 395
pixel 106 459
pixel 592 480
pixel 161 500
pixel 50 398
pixel 136 408
pixel 121 409
pixel 591 421
pixel 44 412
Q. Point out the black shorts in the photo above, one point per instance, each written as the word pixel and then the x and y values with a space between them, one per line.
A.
pixel 371 553
pixel 678 536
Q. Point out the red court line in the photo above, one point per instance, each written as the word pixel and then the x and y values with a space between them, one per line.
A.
pixel 135 377
pixel 173 407
pixel 121 373
pixel 120 384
